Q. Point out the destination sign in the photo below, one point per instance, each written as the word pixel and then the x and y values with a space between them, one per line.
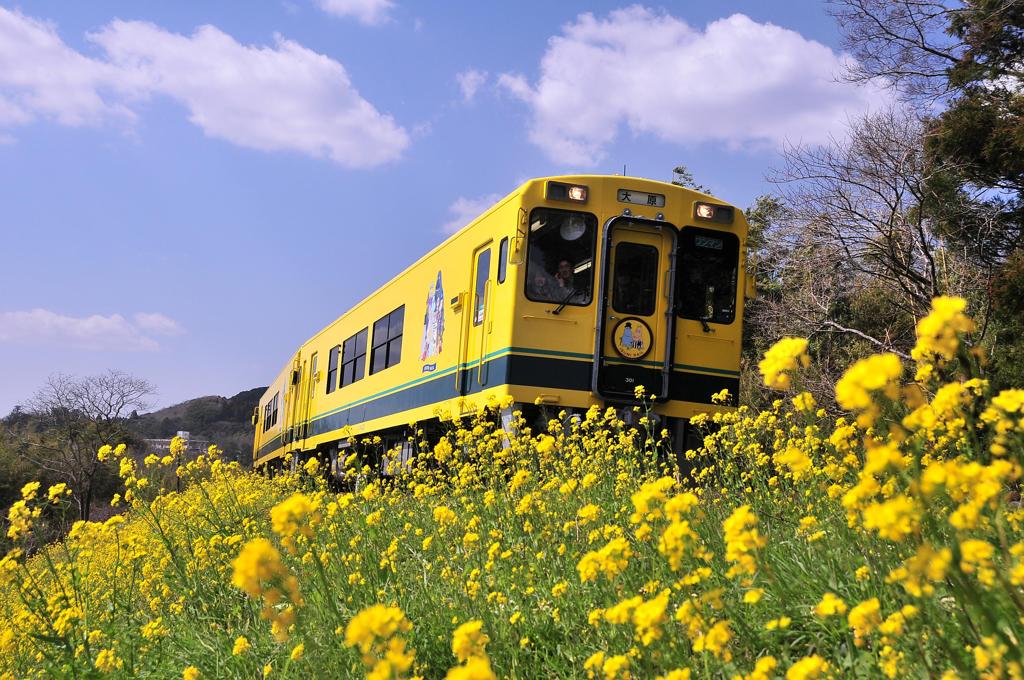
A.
pixel 708 242
pixel 641 198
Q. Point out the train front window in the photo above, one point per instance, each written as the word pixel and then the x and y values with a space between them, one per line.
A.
pixel 706 280
pixel 635 285
pixel 560 264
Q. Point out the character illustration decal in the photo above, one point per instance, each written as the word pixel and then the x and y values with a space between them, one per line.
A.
pixel 433 322
pixel 632 338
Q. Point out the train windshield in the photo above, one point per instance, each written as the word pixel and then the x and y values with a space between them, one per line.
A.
pixel 560 264
pixel 706 279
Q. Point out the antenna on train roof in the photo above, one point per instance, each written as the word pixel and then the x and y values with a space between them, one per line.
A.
pixel 623 169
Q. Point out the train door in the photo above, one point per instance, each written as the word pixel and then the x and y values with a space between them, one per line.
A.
pixel 293 404
pixel 636 322
pixel 307 390
pixel 480 315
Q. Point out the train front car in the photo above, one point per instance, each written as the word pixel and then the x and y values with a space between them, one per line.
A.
pixel 627 283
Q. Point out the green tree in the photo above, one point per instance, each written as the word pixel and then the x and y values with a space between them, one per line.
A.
pixel 681 176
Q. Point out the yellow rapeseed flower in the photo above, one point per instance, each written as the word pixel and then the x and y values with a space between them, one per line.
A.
pixel 976 557
pixel 107 661
pixel 469 640
pixel 616 668
pixel 938 332
pixel 808 668
pixel 865 381
pixel 56 491
pixel 742 541
pixel 297 514
pixel 715 640
pixel 830 605
pixel 784 356
pixel 864 618
pixel 475 668
pixel 241 645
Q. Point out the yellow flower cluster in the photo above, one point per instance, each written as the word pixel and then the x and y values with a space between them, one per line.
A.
pixel 865 382
pixel 938 332
pixel 260 572
pixel 378 632
pixel 297 515
pixel 469 645
pixel 610 560
pixel 784 535
pixel 742 541
pixel 781 359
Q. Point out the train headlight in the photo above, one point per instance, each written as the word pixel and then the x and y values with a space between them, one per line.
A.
pixel 574 193
pixel 715 213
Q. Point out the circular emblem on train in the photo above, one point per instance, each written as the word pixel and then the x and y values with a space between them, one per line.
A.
pixel 632 338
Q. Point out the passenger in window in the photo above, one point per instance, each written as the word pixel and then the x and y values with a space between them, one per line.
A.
pixel 543 286
pixel 568 289
pixel 561 248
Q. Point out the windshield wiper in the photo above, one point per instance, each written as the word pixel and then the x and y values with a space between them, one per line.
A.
pixel 559 308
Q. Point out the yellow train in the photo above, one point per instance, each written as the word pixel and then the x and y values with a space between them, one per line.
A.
pixel 570 291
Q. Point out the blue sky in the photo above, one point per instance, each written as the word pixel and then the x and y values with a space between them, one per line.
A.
pixel 188 190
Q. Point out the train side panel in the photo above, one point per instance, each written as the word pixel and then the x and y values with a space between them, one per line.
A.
pixel 446 326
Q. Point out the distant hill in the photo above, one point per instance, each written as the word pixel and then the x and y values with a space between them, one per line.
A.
pixel 222 420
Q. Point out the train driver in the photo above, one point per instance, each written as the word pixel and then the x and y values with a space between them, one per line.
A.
pixel 564 277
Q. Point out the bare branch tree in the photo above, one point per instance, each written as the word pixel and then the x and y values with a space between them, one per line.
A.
pixel 870 198
pixel 904 43
pixel 855 249
pixel 79 416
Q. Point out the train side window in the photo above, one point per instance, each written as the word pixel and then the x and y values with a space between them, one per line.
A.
pixel 387 341
pixel 353 359
pixel 708 265
pixel 273 412
pixel 502 259
pixel 266 416
pixel 332 369
pixel 560 264
pixel 483 270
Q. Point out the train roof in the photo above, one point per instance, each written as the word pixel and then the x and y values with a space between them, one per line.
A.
pixel 581 179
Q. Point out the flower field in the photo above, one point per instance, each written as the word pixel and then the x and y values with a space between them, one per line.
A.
pixel 887 543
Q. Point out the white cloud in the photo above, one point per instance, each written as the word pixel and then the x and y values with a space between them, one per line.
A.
pixel 469 82
pixel 280 98
pixel 41 77
pixel 464 210
pixel 369 12
pixel 286 98
pixel 157 323
pixel 737 82
pixel 96 332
